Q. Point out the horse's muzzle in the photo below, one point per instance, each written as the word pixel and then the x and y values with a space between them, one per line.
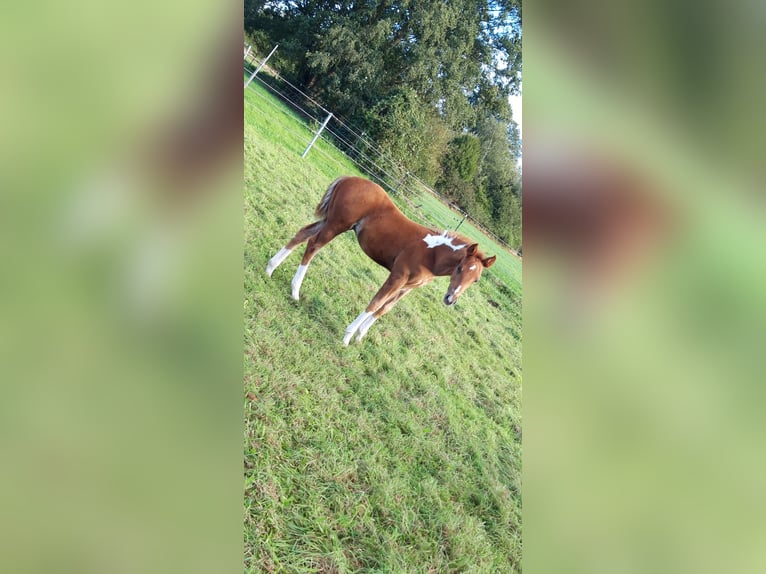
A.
pixel 449 299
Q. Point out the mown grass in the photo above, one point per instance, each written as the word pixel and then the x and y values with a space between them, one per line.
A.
pixel 401 453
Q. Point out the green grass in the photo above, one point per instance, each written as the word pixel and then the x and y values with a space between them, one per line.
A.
pixel 401 453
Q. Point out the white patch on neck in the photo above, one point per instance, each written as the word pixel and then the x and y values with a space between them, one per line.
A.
pixel 443 239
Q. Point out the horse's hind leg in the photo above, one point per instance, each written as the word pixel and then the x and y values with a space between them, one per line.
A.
pixel 316 242
pixel 304 233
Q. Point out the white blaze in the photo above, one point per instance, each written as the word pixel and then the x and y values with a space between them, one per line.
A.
pixel 443 239
pixel 472 267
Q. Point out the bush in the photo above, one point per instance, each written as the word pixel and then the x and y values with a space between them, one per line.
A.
pixel 412 132
pixel 462 159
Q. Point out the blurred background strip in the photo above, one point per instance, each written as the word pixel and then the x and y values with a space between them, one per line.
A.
pixel 645 271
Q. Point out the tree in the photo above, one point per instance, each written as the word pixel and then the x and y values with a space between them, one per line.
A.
pixel 411 132
pixel 463 157
pixel 499 177
pixel 417 76
pixel 458 56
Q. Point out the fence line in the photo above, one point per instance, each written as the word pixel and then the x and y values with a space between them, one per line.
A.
pixel 363 161
pixel 374 170
pixel 339 119
pixel 397 182
pixel 360 155
pixel 299 136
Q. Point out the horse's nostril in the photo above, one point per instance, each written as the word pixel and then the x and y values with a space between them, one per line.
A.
pixel 448 299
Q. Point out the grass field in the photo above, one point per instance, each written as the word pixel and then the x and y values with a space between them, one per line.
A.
pixel 398 454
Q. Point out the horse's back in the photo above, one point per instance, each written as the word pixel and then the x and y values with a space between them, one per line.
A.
pixel 362 205
pixel 360 190
pixel 354 198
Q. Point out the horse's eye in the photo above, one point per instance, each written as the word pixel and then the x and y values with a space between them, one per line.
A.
pixel 459 268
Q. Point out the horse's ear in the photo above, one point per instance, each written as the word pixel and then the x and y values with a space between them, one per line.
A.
pixel 488 261
pixel 472 250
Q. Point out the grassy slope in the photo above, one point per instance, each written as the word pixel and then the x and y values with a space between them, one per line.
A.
pixel 399 454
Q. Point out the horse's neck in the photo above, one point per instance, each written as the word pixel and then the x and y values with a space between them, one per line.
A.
pixel 446 259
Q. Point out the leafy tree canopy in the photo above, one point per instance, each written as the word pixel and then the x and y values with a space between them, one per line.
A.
pixel 463 57
pixel 429 80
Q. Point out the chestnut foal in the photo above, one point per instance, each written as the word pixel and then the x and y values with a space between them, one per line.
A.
pixel 414 254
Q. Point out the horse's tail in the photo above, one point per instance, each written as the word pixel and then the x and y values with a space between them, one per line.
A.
pixel 321 210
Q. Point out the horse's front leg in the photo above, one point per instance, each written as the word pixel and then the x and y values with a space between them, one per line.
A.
pixel 364 327
pixel 390 290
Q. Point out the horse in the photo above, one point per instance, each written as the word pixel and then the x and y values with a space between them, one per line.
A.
pixel 414 254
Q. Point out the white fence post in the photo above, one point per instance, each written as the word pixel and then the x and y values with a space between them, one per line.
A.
pixel 258 69
pixel 316 136
pixel 247 52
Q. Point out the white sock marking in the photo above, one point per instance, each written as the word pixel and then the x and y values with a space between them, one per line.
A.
pixel 352 328
pixel 364 327
pixel 298 280
pixel 443 239
pixel 275 261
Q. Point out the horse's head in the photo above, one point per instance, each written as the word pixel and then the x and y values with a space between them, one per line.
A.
pixel 466 273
